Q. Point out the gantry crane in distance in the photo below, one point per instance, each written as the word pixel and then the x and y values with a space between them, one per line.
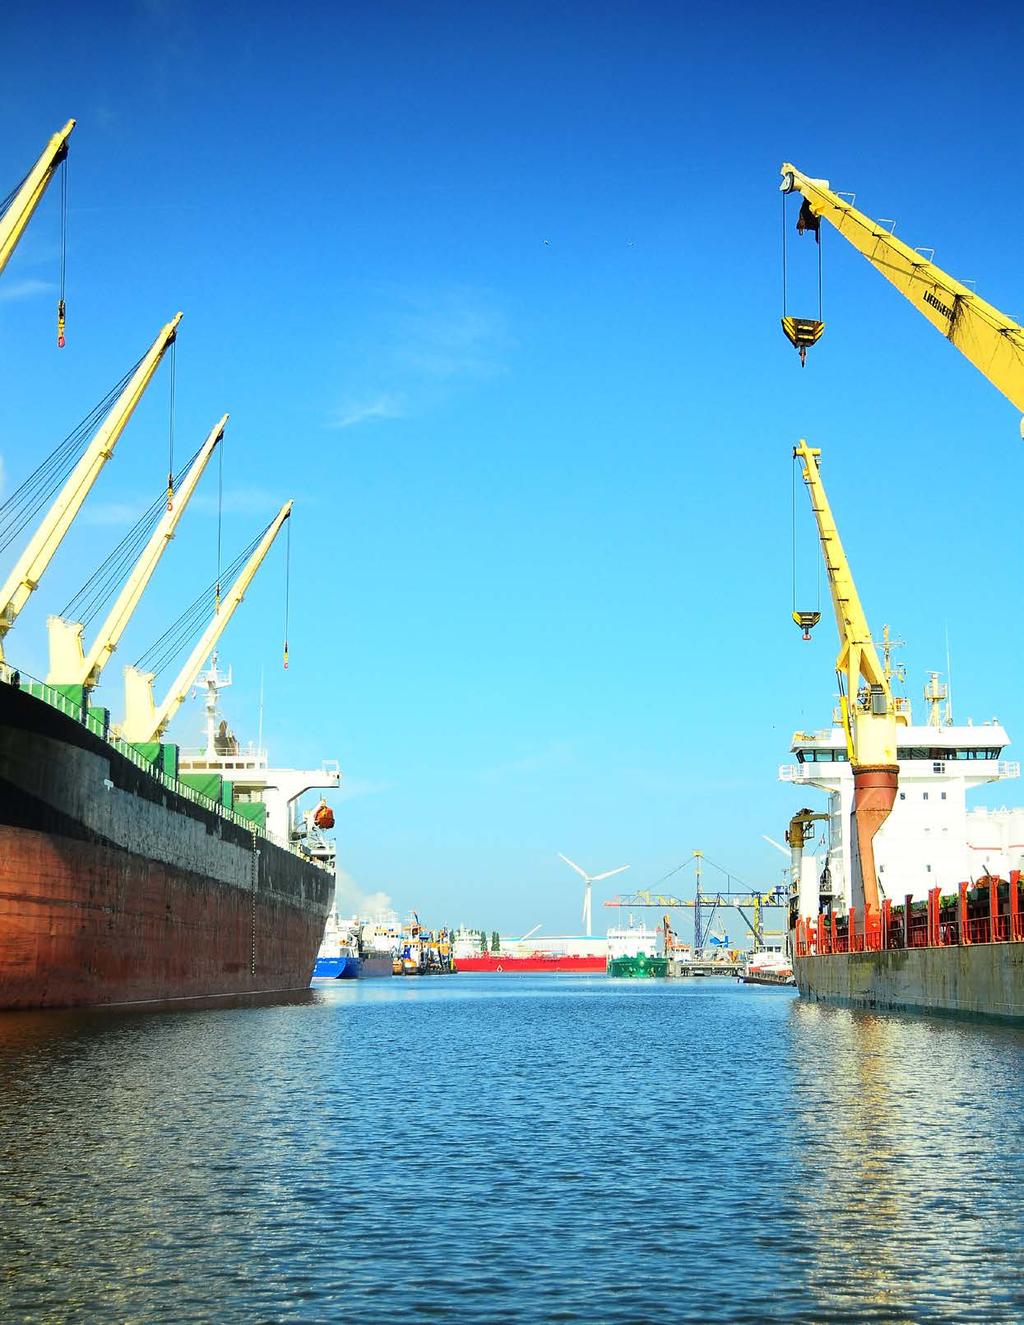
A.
pixel 14 218
pixel 869 712
pixel 750 898
pixel 753 901
pixel 991 340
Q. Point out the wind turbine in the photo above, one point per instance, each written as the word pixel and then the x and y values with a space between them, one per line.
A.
pixel 588 879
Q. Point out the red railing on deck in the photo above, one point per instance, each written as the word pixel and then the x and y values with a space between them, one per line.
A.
pixel 989 911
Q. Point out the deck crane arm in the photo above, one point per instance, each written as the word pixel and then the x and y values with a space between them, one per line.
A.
pixel 25 576
pixel 866 699
pixel 24 203
pixel 69 663
pixel 144 721
pixel 993 342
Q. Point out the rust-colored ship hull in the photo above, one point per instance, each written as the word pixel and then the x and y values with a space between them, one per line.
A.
pixel 117 888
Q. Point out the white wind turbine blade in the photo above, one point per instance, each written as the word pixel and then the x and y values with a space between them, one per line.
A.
pixel 582 873
pixel 608 873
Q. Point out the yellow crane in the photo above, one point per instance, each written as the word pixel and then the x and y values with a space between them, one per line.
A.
pixel 993 342
pixel 69 663
pixel 870 714
pixel 28 197
pixel 23 579
pixel 144 721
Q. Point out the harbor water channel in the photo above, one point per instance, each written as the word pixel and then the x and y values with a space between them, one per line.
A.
pixel 487 1148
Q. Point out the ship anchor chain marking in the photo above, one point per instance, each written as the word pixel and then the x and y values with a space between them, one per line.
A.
pixel 255 884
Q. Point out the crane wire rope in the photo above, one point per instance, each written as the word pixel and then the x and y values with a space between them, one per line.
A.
pixel 170 426
pixel 99 588
pixel 287 586
pixel 61 310
pixel 188 625
pixel 220 522
pixel 13 194
pixel 795 540
pixel 25 503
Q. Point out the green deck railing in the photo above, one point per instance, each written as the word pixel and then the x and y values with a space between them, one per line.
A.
pixel 57 699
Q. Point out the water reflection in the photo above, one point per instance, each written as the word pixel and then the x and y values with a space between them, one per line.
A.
pixel 515 1150
pixel 905 1148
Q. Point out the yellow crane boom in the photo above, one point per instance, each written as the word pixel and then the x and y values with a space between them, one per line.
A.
pixel 69 663
pixel 868 708
pixel 993 342
pixel 23 579
pixel 144 721
pixel 24 203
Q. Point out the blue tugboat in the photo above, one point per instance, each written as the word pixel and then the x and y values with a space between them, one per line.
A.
pixel 338 958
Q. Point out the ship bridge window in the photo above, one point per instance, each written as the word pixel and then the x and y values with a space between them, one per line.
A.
pixel 825 756
pixel 941 753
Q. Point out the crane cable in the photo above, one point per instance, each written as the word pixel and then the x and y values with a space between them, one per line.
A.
pixel 24 504
pixel 170 426
pixel 189 624
pixel 287 586
pixel 801 332
pixel 220 522
pixel 803 619
pixel 99 588
pixel 63 250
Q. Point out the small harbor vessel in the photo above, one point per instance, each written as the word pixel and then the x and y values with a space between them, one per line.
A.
pixel 633 952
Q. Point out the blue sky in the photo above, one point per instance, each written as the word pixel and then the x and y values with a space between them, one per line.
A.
pixel 493 292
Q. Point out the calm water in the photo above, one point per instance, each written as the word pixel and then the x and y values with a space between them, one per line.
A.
pixel 483 1149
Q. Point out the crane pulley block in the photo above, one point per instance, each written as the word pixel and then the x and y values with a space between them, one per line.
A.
pixel 807 621
pixel 802 332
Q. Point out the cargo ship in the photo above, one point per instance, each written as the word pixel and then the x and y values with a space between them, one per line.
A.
pixel 550 955
pixel 949 930
pixel 125 879
pixel 915 902
pixel 910 902
pixel 132 871
pixel 534 963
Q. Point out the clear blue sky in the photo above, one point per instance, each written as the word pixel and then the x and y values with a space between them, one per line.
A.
pixel 493 291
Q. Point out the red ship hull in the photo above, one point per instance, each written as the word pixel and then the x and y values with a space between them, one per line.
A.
pixel 537 962
pixel 115 888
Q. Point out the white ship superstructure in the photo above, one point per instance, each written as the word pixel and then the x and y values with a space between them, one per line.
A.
pixel 930 840
pixel 254 781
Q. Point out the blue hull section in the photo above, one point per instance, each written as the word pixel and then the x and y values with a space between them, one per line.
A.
pixel 336 968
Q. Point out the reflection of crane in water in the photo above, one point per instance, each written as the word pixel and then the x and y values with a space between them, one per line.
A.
pixel 705 905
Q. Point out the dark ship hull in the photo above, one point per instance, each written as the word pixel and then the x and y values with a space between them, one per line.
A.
pixel 120 885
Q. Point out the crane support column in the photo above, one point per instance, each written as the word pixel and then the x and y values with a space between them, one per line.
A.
pixel 868 708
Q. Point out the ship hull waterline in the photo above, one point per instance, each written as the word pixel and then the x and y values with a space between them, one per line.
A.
pixel 982 980
pixel 115 888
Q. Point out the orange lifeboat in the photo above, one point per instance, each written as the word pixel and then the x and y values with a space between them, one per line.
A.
pixel 324 816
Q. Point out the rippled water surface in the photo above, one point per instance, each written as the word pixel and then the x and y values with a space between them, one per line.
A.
pixel 489 1149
